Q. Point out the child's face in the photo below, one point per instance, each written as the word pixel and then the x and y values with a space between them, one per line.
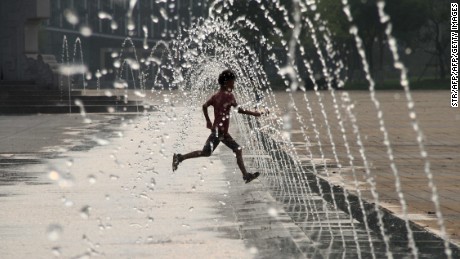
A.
pixel 229 85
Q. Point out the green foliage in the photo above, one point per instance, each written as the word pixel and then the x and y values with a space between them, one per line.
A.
pixel 336 19
pixel 408 17
pixel 415 24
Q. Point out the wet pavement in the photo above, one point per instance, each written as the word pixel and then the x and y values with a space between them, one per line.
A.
pixel 106 190
pixel 34 139
pixel 439 124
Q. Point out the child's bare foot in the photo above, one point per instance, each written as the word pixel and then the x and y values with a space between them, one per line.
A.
pixel 176 161
pixel 249 177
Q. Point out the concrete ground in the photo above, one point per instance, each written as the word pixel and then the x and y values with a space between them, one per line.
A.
pixel 105 189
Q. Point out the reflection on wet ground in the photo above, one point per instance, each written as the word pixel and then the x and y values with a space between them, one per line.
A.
pixel 14 167
pixel 275 224
pixel 11 170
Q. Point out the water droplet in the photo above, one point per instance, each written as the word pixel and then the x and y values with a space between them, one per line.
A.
pixel 72 69
pixel 84 212
pixel 423 154
pixel 101 142
pixel 64 181
pixel 134 64
pixel 54 232
pixel 56 251
pixel 190 209
pixel 139 93
pixel 135 225
pixel 253 250
pixel 71 16
pixel 104 15
pixel 91 179
pixel 193 188
pixel 54 175
pixel 114 25
pixel 149 240
pixel 101 226
pixel 273 212
pixel 114 177
pixel 86 31
pixel 67 202
pixel 116 64
pixel 222 203
pixel 120 83
pixel 131 26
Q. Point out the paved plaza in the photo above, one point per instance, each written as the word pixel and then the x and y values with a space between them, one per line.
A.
pixel 439 124
pixel 72 189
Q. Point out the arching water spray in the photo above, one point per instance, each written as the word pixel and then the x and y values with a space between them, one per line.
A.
pixel 359 45
pixel 386 20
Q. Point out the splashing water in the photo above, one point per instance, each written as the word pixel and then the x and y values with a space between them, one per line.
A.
pixel 310 177
pixel 54 232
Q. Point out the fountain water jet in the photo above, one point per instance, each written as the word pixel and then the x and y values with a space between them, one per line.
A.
pixel 385 19
pixel 191 64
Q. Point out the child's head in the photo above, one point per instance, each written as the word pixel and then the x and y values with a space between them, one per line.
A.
pixel 226 77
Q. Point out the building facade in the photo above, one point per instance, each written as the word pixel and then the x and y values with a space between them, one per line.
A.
pixel 36 28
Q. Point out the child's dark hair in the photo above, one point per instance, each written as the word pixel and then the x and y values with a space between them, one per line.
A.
pixel 225 76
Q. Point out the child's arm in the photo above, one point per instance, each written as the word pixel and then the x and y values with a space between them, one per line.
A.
pixel 205 112
pixel 247 112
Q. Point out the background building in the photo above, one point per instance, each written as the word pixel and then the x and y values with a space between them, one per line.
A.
pixel 34 28
pixel 21 22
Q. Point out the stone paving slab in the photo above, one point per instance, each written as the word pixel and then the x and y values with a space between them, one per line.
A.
pixel 439 123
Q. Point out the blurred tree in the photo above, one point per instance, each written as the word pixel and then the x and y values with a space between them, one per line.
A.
pixel 408 18
pixel 365 17
pixel 415 24
pixel 435 36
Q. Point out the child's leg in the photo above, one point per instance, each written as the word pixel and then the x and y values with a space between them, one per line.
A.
pixel 231 143
pixel 247 177
pixel 240 162
pixel 211 144
pixel 193 154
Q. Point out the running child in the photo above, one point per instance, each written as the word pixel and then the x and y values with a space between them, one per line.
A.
pixel 222 101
